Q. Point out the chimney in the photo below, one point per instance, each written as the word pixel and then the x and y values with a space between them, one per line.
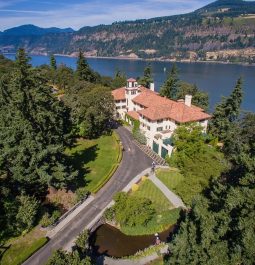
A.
pixel 188 99
pixel 152 86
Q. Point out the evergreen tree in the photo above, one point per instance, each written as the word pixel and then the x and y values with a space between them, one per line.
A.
pixel 82 241
pixel 22 63
pixel 171 86
pixel 223 219
pixel 227 112
pixel 64 78
pixel 147 77
pixel 84 72
pixel 119 80
pixel 34 131
pixel 53 63
pixel 199 98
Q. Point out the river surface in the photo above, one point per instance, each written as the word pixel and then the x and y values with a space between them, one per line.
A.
pixel 216 79
pixel 110 241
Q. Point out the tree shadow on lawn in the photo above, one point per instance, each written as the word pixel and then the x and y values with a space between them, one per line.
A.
pixel 3 249
pixel 79 159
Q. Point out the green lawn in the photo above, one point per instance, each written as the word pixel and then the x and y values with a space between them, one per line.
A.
pixel 158 261
pixel 170 177
pixel 94 159
pixel 165 214
pixel 148 190
pixel 20 249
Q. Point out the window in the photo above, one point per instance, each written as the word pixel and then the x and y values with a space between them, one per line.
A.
pixel 159 121
pixel 159 129
pixel 148 128
pixel 123 101
pixel 123 107
pixel 133 92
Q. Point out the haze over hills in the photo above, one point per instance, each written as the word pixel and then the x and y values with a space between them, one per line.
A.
pixel 223 30
pixel 27 30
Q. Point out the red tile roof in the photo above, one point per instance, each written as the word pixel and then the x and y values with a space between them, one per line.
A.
pixel 157 108
pixel 133 114
pixel 131 80
pixel 119 94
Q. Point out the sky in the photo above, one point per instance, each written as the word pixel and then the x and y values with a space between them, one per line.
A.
pixel 80 13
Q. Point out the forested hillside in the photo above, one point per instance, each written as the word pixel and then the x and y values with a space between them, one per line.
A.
pixel 223 30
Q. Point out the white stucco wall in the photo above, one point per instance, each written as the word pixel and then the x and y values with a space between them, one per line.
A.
pixel 120 107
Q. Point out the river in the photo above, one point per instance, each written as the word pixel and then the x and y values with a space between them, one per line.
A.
pixel 216 79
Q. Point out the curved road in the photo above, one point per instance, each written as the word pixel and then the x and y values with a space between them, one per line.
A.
pixel 134 161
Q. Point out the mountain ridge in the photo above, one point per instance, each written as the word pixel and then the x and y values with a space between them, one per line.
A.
pixel 200 35
pixel 30 29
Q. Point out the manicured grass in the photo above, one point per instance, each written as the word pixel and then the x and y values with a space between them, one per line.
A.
pixel 148 190
pixel 94 159
pixel 165 215
pixel 158 261
pixel 22 248
pixel 170 177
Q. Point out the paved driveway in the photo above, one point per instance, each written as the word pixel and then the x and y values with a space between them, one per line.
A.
pixel 134 161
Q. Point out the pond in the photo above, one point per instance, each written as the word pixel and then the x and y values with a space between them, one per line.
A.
pixel 108 240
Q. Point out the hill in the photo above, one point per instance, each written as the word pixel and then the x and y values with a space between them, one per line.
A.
pixel 223 30
pixel 27 30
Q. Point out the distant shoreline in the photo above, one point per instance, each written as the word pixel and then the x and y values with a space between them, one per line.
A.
pixel 142 59
pixel 154 59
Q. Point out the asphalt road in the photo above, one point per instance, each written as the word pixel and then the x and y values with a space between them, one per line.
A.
pixel 134 161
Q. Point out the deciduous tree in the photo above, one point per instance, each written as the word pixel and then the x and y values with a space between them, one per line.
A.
pixel 27 211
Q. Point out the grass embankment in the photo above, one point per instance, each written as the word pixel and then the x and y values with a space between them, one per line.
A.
pixel 176 182
pixel 165 215
pixel 20 249
pixel 96 160
pixel 172 178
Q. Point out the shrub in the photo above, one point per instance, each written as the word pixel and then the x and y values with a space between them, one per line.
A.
pixel 45 221
pixel 135 187
pixel 140 137
pixel 144 178
pixel 82 241
pixel 81 193
pixel 109 214
pixel 55 215
pixel 131 210
pixel 48 220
